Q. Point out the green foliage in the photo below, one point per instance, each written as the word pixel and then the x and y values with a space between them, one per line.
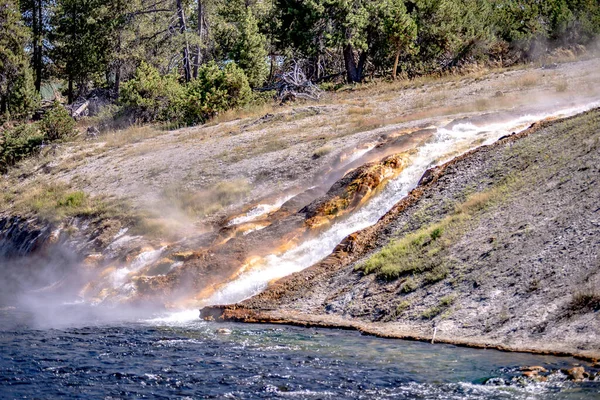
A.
pixel 71 200
pixel 57 123
pixel 445 303
pixel 81 38
pixel 150 96
pixel 216 90
pixel 402 306
pixel 412 253
pixel 425 250
pixel 238 38
pixel 409 286
pixel 19 143
pixel 438 273
pixel 17 94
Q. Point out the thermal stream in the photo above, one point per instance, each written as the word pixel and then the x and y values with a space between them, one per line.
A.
pixel 445 144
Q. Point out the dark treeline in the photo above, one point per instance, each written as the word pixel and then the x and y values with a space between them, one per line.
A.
pixel 188 59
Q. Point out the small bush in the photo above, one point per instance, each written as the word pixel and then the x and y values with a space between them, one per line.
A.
pixel 409 286
pixel 216 90
pixel 322 151
pixel 57 123
pixel 19 143
pixel 561 86
pixel 585 301
pixel 445 302
pixel 437 274
pixel 403 306
pixel 151 97
pixel 72 200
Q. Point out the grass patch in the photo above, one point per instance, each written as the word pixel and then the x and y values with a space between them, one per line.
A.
pixel 402 306
pixel 527 80
pixel 409 286
pixel 410 254
pixel 54 202
pixel 133 134
pixel 322 151
pixel 360 111
pixel 438 273
pixel 205 202
pixel 561 86
pixel 443 305
pixel 425 250
pixel 585 301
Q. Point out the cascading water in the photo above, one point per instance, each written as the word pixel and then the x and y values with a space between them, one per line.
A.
pixel 445 144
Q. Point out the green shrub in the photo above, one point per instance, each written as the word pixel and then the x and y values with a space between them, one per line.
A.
pixel 445 302
pixel 57 123
pixel 409 286
pixel 23 99
pixel 403 306
pixel 216 90
pixel 438 273
pixel 72 200
pixel 151 97
pixel 19 143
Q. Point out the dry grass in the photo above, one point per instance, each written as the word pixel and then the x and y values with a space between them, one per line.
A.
pixel 359 111
pixel 133 134
pixel 55 201
pixel 561 86
pixel 527 80
pixel 205 202
pixel 253 111
pixel 322 151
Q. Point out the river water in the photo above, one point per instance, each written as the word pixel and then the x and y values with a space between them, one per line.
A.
pixel 179 356
pixel 147 359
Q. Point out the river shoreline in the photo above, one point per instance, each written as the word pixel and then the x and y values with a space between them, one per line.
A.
pixel 311 297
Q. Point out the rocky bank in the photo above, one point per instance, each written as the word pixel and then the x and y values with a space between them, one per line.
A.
pixel 497 248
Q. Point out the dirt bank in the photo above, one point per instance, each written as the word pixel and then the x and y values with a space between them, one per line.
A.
pixel 498 248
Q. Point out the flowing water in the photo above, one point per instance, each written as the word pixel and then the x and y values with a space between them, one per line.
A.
pixel 191 360
pixel 178 356
pixel 446 144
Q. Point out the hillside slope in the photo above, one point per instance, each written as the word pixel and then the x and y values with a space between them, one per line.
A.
pixel 496 248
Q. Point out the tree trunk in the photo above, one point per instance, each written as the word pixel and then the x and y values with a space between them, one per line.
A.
pixel 200 27
pixel 394 71
pixel 117 78
pixel 350 63
pixel 70 91
pixel 3 106
pixel 187 71
pixel 36 13
pixel 362 60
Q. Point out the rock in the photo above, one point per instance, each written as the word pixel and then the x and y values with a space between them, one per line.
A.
pixel 534 368
pixel 92 132
pixel 211 313
pixel 223 331
pixel 576 374
pixel 530 374
pixel 184 255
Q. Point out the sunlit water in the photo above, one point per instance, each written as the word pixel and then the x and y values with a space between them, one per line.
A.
pixel 446 143
pixel 191 360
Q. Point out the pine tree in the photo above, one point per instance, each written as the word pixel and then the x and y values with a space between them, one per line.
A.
pixel 82 41
pixel 17 93
pixel 250 51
